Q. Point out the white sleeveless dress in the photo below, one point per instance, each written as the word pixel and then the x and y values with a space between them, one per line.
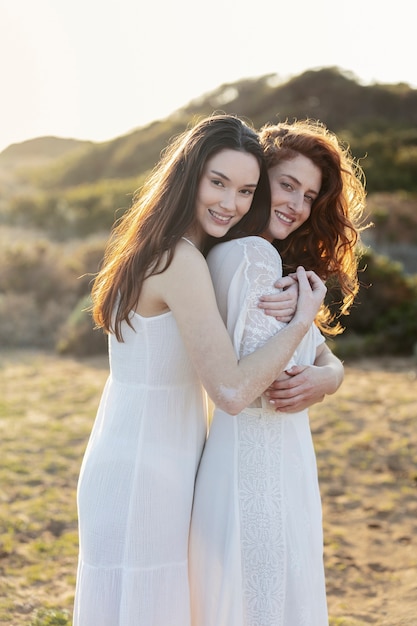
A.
pixel 256 545
pixel 136 483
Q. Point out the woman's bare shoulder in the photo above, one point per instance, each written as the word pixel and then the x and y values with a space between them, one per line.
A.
pixel 187 267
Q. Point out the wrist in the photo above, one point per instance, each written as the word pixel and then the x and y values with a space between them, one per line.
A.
pixel 334 378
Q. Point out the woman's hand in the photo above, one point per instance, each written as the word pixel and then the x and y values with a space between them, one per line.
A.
pixel 303 385
pixel 281 305
pixel 297 389
pixel 311 293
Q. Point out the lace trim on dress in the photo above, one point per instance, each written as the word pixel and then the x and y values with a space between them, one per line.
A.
pixel 260 454
pixel 262 269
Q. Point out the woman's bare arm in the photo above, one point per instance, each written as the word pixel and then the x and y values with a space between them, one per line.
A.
pixel 187 289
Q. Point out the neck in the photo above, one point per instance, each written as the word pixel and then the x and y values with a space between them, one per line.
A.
pixel 198 239
pixel 191 241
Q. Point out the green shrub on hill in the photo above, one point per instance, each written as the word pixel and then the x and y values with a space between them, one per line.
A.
pixel 389 158
pixel 40 284
pixel 78 336
pixel 384 318
pixel 45 286
pixel 75 212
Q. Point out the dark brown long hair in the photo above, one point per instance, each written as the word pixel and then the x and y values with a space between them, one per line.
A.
pixel 328 241
pixel 142 242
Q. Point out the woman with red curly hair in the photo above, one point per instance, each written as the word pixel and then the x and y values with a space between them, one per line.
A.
pixel 256 544
pixel 327 241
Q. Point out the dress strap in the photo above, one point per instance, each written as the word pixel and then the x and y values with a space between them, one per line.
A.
pixel 185 239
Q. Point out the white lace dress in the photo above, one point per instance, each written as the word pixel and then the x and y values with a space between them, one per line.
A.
pixel 256 545
pixel 137 480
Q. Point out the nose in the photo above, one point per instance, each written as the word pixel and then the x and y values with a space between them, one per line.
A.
pixel 228 200
pixel 296 202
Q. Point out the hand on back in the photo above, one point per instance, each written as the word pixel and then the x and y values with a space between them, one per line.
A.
pixel 282 304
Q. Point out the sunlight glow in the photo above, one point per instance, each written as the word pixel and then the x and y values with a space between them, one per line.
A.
pixel 94 70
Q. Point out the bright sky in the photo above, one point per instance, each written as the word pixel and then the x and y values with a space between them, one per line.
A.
pixel 97 69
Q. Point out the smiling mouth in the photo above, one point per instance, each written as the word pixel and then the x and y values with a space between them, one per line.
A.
pixel 220 218
pixel 283 217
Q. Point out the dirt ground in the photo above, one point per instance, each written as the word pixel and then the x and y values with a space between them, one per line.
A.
pixel 366 443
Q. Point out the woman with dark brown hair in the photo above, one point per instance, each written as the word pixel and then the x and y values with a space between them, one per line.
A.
pixel 155 299
pixel 256 545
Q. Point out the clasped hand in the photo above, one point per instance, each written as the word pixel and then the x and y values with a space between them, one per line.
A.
pixel 296 389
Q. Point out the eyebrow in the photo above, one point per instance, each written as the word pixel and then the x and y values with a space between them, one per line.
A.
pixel 220 175
pixel 298 183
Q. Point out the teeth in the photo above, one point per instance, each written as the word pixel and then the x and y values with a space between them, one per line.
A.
pixel 283 217
pixel 219 217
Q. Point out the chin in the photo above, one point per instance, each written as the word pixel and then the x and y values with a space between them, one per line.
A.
pixel 278 236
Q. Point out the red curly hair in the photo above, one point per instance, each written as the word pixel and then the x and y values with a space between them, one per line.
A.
pixel 328 242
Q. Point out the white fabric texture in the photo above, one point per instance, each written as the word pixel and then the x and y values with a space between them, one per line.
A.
pixel 256 544
pixel 136 482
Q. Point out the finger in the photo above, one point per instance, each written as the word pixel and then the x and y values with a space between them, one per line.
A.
pixel 286 407
pixel 295 370
pixel 279 313
pixel 280 395
pixel 315 281
pixel 301 273
pixel 279 298
pixel 283 382
pixel 284 282
pixel 272 308
pixel 290 409
pixel 284 319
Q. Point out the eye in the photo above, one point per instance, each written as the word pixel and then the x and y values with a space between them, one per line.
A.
pixel 217 182
pixel 286 186
pixel 247 192
pixel 310 199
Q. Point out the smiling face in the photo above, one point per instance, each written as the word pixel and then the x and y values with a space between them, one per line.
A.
pixel 225 193
pixel 295 184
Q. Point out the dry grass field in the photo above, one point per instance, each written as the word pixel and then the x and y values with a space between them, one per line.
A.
pixel 366 442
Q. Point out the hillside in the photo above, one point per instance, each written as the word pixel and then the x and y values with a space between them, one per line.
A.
pixel 20 162
pixel 39 150
pixel 378 121
pixel 93 180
